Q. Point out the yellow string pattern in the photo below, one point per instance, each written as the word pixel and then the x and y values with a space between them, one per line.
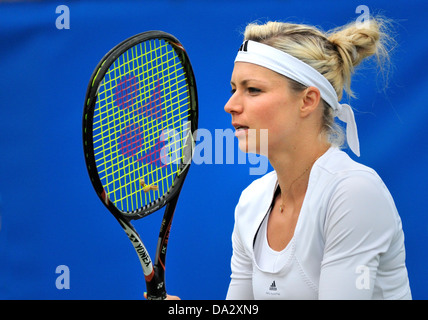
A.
pixel 140 124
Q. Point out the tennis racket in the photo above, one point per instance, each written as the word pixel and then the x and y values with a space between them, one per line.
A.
pixel 139 117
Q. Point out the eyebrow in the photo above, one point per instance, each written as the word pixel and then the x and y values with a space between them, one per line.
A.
pixel 245 81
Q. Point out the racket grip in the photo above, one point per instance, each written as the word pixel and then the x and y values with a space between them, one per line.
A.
pixel 156 286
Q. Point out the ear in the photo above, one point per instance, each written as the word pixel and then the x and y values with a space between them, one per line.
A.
pixel 311 99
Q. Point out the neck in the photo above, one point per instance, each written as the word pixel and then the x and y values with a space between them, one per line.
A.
pixel 293 168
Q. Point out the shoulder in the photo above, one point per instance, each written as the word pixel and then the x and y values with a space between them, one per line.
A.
pixel 337 162
pixel 341 186
pixel 342 174
pixel 356 197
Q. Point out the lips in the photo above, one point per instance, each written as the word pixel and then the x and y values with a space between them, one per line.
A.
pixel 239 126
pixel 240 129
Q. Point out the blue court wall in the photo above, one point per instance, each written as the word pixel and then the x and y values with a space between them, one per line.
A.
pixel 50 215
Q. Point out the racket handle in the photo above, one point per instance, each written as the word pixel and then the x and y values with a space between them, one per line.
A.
pixel 156 286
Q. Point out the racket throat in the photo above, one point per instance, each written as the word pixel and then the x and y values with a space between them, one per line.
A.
pixel 153 274
pixel 140 249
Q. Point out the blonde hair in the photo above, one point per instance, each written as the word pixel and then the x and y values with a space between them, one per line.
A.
pixel 334 54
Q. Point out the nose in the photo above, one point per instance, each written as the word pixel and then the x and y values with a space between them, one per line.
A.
pixel 234 105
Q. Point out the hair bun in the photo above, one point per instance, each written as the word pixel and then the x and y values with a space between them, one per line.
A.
pixel 357 41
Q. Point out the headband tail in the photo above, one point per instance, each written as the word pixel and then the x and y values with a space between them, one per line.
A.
pixel 346 114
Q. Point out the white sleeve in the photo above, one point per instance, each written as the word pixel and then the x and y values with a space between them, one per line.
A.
pixel 240 287
pixel 359 227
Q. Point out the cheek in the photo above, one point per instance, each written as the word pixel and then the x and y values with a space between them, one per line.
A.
pixel 276 118
pixel 282 123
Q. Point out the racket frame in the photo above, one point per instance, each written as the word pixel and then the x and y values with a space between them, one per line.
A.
pixel 154 273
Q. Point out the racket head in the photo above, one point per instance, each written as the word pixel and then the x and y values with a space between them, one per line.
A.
pixel 140 113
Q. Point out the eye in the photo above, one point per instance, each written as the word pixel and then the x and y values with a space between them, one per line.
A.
pixel 253 90
pixel 232 91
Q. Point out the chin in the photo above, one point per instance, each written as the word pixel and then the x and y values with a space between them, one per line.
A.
pixel 251 143
pixel 250 148
pixel 242 145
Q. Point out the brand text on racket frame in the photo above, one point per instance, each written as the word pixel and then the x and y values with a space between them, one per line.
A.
pixel 222 142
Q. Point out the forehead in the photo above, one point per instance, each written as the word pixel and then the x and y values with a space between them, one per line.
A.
pixel 244 71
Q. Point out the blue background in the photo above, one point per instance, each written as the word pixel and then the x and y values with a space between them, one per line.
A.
pixel 50 215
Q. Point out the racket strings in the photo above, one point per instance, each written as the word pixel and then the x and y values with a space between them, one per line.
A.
pixel 139 126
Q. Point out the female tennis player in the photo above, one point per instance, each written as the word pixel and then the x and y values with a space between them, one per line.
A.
pixel 320 226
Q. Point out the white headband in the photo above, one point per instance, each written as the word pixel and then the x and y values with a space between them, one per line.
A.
pixel 293 68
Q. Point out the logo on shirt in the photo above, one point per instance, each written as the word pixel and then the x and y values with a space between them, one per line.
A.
pixel 273 290
pixel 273 286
